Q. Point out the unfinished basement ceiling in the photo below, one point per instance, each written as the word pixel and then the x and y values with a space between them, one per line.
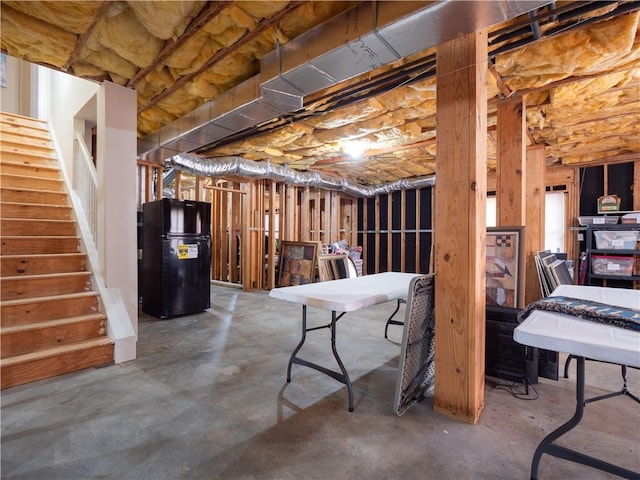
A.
pixel 577 64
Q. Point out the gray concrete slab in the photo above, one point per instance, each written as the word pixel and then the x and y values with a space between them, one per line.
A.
pixel 207 398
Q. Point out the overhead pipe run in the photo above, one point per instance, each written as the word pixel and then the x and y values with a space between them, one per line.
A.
pixel 236 166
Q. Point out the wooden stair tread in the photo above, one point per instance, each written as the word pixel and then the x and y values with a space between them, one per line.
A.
pixel 18 163
pixel 52 323
pixel 27 152
pixel 26 204
pixel 45 275
pixel 51 221
pixel 39 237
pixel 37 256
pixel 66 296
pixel 30 177
pixel 33 190
pixel 52 352
pixel 17 119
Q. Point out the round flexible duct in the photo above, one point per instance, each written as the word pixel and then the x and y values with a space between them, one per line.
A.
pixel 236 166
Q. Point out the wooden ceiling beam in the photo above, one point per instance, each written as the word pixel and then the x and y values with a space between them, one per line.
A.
pixel 203 18
pixel 223 53
pixel 82 39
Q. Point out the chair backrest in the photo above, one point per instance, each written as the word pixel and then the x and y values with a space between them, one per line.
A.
pixel 334 267
pixel 416 372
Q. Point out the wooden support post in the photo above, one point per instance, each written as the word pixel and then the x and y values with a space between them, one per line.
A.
pixel 460 226
pixel 305 225
pixel 534 233
pixel 511 164
pixel 199 184
pixel 418 234
pixel 335 217
pixel 178 191
pixel 389 234
pixel 365 234
pixel 159 186
pixel 271 254
pixel 148 184
pixel 403 226
pixel 377 235
pixel 636 185
pixel 235 226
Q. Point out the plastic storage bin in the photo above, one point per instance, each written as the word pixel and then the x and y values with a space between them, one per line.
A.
pixel 610 239
pixel 609 220
pixel 612 265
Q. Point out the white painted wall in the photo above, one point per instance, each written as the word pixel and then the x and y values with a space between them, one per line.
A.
pixel 117 208
pixel 15 96
pixel 68 96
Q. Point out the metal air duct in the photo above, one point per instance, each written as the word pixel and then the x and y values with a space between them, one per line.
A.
pixel 356 41
pixel 236 166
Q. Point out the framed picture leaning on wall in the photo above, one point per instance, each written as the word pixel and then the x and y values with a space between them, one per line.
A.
pixel 297 263
pixel 505 266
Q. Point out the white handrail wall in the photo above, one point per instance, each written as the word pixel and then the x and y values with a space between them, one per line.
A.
pixel 85 183
pixel 119 324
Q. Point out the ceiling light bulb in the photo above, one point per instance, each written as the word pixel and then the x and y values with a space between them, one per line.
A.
pixel 354 148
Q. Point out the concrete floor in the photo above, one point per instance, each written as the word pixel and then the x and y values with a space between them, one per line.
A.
pixel 207 399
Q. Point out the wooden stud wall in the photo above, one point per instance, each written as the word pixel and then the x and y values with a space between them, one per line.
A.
pixel 372 233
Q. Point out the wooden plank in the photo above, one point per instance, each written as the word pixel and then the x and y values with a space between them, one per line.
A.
pixel 11 119
pixel 159 188
pixel 377 235
pixel 416 267
pixel 271 252
pixel 42 264
pixel 26 169
pixel 244 237
pixel 460 226
pixel 305 225
pixel 148 184
pixel 178 185
pixel 30 286
pixel 23 312
pixel 228 260
pixel 31 338
pixel 534 232
pixel 26 195
pixel 235 226
pixel 365 235
pixel 37 227
pixel 215 236
pixel 39 245
pixel 559 176
pixel 315 216
pixel 389 234
pixel 511 162
pixel 403 227
pixel 572 209
pixel 335 217
pixel 636 185
pixel 34 210
pixel 32 183
pixel 13 139
pixel 58 361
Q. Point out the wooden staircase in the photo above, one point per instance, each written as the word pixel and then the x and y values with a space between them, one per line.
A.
pixel 50 318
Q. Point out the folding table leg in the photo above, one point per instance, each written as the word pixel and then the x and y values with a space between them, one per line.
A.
pixel 547 446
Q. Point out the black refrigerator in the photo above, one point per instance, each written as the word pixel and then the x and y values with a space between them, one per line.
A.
pixel 176 257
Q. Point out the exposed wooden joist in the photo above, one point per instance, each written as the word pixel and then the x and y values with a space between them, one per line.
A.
pixel 207 14
pixel 223 53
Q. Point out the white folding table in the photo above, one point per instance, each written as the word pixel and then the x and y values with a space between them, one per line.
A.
pixel 583 339
pixel 344 295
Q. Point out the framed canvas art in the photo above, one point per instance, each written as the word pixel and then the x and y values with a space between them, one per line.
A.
pixel 297 263
pixel 505 265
